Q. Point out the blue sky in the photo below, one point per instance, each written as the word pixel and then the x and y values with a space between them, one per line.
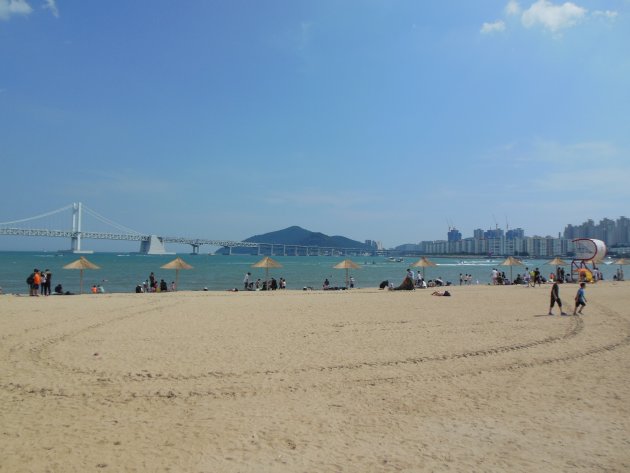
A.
pixel 373 119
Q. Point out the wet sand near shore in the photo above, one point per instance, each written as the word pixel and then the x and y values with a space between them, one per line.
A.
pixel 293 381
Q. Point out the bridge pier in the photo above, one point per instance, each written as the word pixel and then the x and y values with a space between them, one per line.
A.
pixel 153 246
pixel 195 249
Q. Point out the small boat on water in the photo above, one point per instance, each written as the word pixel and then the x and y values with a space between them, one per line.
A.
pixel 391 259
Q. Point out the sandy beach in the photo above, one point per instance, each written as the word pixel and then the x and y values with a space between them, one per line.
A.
pixel 292 381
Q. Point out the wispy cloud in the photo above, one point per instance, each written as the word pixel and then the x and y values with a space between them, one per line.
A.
pixel 546 15
pixel 495 27
pixel 9 8
pixel 52 6
pixel 596 167
pixel 609 14
pixel 553 17
pixel 512 8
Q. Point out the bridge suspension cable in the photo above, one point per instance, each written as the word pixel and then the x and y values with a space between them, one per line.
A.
pixel 47 214
pixel 110 222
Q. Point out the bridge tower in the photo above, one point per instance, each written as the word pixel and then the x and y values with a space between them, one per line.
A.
pixel 75 242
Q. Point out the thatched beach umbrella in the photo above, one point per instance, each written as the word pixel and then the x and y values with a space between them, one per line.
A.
pixel 347 265
pixel 423 262
pixel 267 263
pixel 177 264
pixel 81 264
pixel 557 262
pixel 511 261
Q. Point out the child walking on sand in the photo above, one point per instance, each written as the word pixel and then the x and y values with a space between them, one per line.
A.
pixel 580 299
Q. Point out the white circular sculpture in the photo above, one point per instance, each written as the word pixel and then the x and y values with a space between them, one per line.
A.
pixel 587 250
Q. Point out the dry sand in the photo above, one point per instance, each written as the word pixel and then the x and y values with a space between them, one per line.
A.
pixel 356 381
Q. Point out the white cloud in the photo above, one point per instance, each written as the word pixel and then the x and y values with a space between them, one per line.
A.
pixel 9 8
pixel 497 26
pixel 553 17
pixel 512 8
pixel 52 6
pixel 611 15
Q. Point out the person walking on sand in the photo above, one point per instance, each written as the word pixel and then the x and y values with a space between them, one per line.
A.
pixel 555 299
pixel 580 299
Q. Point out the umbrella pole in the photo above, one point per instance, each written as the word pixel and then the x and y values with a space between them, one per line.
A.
pixel 81 282
pixel 176 279
pixel 347 279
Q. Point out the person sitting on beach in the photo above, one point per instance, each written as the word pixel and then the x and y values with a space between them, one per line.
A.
pixel 406 285
pixel 58 289
pixel 100 289
pixel 383 284
pixel 326 285
pixel 163 286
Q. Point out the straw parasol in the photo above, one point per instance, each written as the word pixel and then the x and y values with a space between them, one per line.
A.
pixel 267 263
pixel 512 261
pixel 81 264
pixel 423 262
pixel 177 264
pixel 557 262
pixel 347 265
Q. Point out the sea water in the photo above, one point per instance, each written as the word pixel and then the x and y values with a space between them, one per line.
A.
pixel 122 272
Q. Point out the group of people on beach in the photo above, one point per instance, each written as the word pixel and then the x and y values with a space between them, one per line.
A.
pixel 465 279
pixel 259 285
pixel 39 282
pixel 151 285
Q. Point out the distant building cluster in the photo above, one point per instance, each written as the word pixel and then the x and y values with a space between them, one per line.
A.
pixel 513 242
pixel 374 245
pixel 612 232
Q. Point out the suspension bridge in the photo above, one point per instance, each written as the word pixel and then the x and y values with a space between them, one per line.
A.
pixel 73 218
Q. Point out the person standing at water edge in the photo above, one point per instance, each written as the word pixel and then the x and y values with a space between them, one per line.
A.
pixel 555 298
pixel 37 279
pixel 580 299
pixel 42 283
pixel 246 281
pixel 48 284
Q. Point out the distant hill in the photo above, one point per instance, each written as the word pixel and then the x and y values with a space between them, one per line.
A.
pixel 299 236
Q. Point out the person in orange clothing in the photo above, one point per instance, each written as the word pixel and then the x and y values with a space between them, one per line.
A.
pixel 37 280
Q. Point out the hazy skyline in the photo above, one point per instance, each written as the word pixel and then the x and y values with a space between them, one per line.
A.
pixel 374 119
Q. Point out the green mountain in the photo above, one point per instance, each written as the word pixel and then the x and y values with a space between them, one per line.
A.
pixel 299 236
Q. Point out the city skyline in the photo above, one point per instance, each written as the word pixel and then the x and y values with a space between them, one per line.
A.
pixel 239 118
